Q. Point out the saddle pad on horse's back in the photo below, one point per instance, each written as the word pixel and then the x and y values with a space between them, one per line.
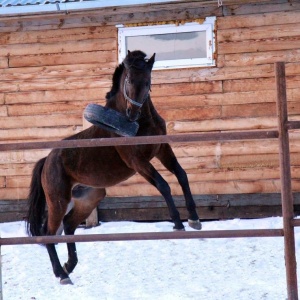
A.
pixel 111 120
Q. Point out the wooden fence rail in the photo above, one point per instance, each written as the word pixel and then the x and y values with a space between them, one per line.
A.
pixel 286 193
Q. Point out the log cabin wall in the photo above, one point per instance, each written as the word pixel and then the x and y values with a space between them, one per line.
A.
pixel 52 66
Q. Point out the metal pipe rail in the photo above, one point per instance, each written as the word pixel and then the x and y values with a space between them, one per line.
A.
pixel 143 236
pixel 142 140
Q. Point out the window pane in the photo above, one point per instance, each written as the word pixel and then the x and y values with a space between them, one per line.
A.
pixel 170 46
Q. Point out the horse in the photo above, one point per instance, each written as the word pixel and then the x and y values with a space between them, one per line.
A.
pixel 80 175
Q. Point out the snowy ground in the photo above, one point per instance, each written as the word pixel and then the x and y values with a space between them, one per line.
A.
pixel 212 269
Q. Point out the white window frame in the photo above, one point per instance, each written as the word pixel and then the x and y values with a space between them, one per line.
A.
pixel 208 26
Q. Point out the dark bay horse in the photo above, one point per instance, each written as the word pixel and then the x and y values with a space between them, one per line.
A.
pixel 81 175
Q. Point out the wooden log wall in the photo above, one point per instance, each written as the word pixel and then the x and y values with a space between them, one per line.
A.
pixel 52 66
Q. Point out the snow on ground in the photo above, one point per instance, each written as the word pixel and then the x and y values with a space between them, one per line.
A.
pixel 214 269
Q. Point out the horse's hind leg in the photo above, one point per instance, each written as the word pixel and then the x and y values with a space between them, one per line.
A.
pixel 169 160
pixel 84 203
pixel 56 213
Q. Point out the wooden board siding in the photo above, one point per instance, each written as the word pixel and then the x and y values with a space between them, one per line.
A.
pixel 52 66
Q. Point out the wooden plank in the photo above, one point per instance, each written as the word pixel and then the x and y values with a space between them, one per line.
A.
pixel 221 124
pixel 260 45
pixel 214 213
pixel 3 62
pixel 51 96
pixel 66 108
pixel 198 113
pixel 272 6
pixel 54 84
pixel 22 156
pixel 208 74
pixel 61 47
pixel 40 121
pixel 11 169
pixel 57 72
pixel 256 110
pixel 257 84
pixel 51 36
pixel 218 187
pixel 13 193
pixel 187 88
pixel 3 111
pixel 261 19
pixel 275 31
pixel 32 60
pixel 195 176
pixel 228 98
pixel 266 57
pixel 110 16
pixel 18 134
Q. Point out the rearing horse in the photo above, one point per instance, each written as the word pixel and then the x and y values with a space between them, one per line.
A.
pixel 56 178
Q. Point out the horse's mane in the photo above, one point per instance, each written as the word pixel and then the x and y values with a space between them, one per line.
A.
pixel 136 59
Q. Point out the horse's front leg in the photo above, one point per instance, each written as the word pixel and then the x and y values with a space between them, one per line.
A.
pixel 152 176
pixel 169 160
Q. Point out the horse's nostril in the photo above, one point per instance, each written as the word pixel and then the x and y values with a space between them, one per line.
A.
pixel 128 111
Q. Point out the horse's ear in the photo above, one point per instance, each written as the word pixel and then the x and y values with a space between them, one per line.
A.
pixel 151 61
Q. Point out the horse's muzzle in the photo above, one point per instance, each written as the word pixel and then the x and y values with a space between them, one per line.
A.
pixel 133 115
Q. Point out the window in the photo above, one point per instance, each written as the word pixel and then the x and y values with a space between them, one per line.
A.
pixel 176 46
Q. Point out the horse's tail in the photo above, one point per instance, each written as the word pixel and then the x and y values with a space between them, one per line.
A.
pixel 36 201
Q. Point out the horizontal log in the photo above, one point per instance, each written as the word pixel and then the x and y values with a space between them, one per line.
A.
pixel 11 169
pixel 187 88
pixel 253 8
pixel 18 134
pixel 54 84
pixel 84 57
pixel 218 187
pixel 66 108
pixel 220 73
pixel 3 111
pixel 110 16
pixel 51 36
pixel 222 124
pixel 258 20
pixel 56 120
pixel 198 113
pixel 257 110
pixel 51 96
pixel 23 156
pixel 291 57
pixel 3 62
pixel 274 31
pixel 13 193
pixel 257 84
pixel 61 47
pixel 57 72
pixel 270 44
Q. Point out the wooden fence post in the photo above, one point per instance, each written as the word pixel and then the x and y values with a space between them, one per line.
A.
pixel 286 186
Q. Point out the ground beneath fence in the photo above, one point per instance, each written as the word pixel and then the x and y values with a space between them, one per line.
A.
pixel 215 269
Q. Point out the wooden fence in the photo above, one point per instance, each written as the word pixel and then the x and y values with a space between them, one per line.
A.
pixel 286 193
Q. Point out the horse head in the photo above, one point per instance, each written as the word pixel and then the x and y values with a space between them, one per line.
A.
pixel 136 82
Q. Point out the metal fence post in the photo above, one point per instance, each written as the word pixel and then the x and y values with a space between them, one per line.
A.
pixel 286 186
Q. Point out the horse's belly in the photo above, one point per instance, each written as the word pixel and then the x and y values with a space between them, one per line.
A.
pixel 96 167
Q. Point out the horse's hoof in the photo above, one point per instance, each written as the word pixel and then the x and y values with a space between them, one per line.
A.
pixel 181 229
pixel 66 281
pixel 195 224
